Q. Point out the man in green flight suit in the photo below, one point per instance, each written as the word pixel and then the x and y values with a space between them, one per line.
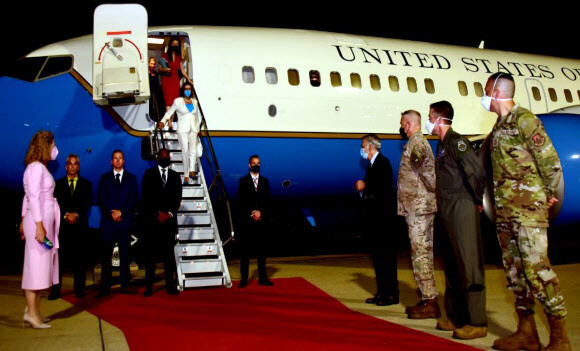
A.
pixel 460 185
pixel 526 173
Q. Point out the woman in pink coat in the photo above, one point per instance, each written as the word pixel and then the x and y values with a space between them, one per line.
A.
pixel 40 220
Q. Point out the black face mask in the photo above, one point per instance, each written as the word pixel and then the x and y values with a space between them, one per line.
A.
pixel 163 162
pixel 255 169
pixel 403 134
pixel 176 49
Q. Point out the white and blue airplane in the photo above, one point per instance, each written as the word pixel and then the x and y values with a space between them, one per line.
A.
pixel 300 99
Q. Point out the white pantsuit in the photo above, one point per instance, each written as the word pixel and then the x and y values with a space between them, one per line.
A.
pixel 188 127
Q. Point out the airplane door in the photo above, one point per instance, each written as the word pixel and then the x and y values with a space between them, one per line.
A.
pixel 536 96
pixel 120 67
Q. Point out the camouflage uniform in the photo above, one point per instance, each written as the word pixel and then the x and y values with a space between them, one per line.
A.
pixel 416 201
pixel 460 185
pixel 526 173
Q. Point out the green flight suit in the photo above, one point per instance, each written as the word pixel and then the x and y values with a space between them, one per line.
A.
pixel 460 185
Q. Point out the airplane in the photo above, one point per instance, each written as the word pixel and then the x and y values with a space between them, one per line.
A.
pixel 300 99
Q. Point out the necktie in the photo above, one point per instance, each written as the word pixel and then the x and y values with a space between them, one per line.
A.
pixel 72 186
pixel 256 184
pixel 164 177
pixel 118 176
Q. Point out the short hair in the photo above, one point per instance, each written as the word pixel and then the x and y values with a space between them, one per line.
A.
pixel 114 152
pixel 443 109
pixel 73 156
pixel 374 140
pixel 253 156
pixel 162 149
pixel 412 112
pixel 502 75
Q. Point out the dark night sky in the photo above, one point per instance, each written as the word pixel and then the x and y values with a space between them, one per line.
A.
pixel 520 28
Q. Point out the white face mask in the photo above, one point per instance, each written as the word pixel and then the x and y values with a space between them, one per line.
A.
pixel 430 126
pixel 486 100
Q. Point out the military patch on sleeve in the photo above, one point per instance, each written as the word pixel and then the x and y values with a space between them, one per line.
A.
pixel 538 139
pixel 461 146
pixel 417 158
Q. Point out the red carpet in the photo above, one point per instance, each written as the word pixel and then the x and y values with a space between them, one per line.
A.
pixel 292 315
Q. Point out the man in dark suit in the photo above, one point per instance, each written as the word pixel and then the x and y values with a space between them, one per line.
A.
pixel 117 197
pixel 254 214
pixel 377 196
pixel 75 197
pixel 161 191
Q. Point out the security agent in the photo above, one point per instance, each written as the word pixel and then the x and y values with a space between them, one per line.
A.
pixel 377 192
pixel 460 185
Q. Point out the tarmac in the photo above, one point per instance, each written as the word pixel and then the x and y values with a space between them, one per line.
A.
pixel 348 278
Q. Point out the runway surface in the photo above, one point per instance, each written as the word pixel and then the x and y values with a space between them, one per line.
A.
pixel 349 280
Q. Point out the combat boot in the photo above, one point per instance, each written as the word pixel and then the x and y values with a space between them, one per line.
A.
pixel 558 337
pixel 468 332
pixel 425 309
pixel 525 338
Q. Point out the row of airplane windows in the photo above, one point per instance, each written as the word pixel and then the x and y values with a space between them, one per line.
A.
pixel 249 76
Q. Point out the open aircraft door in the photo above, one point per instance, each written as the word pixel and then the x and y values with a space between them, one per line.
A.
pixel 120 67
pixel 536 96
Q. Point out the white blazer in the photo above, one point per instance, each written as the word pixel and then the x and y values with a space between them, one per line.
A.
pixel 188 121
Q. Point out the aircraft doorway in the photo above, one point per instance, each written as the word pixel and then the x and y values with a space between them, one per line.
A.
pixel 166 76
pixel 536 96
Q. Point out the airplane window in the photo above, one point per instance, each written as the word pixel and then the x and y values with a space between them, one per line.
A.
pixel 412 84
pixel 375 82
pixel 478 89
pixel 56 65
pixel 462 88
pixel 293 77
pixel 33 69
pixel 248 74
pixel 394 83
pixel 536 94
pixel 314 78
pixel 355 81
pixel 429 86
pixel 335 79
pixel 568 95
pixel 271 75
pixel 553 95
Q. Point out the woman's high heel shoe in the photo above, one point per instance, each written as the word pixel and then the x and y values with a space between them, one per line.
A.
pixel 44 319
pixel 29 320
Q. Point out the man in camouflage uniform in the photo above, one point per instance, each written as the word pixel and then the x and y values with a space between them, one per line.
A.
pixel 526 173
pixel 460 185
pixel 416 201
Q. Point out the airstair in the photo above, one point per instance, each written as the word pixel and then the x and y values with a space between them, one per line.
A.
pixel 199 252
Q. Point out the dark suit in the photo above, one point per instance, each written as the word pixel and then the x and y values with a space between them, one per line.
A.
pixel 253 233
pixel 378 199
pixel 160 237
pixel 73 238
pixel 122 197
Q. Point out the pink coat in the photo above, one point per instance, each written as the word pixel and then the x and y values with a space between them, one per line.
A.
pixel 40 265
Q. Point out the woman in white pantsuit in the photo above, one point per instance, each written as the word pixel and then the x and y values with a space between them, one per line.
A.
pixel 188 125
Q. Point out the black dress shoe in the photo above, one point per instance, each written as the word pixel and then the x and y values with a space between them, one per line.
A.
pixel 242 284
pixel 265 282
pixel 387 301
pixel 373 300
pixel 129 290
pixel 148 292
pixel 172 291
pixel 80 295
pixel 103 293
